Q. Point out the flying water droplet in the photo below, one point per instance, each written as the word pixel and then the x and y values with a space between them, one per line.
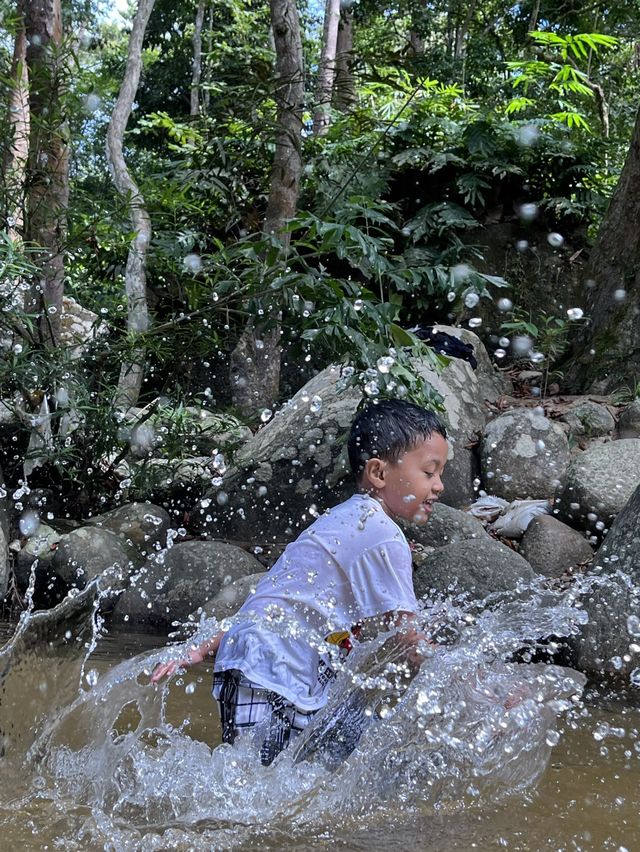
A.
pixel 521 344
pixel 475 322
pixel 371 388
pixel 385 363
pixel 537 357
pixel 527 135
pixel 555 239
pixel 522 245
pixel 504 342
pixel 358 305
pixel 192 263
pixel 504 304
pixel 266 415
pixel 575 313
pixel 315 406
pixel 499 354
pixel 471 299
pixel 528 212
pixel 619 295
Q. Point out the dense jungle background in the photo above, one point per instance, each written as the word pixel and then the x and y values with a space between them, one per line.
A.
pixel 203 204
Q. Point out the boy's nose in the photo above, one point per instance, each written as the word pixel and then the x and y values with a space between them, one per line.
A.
pixel 438 487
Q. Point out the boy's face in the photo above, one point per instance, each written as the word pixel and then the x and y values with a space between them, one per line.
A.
pixel 408 488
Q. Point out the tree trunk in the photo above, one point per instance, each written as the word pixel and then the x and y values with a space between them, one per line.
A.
pixel 16 153
pixel 48 163
pixel 344 90
pixel 533 20
pixel 255 369
pixel 197 60
pixel 462 31
pixel 132 371
pixel 327 67
pixel 608 354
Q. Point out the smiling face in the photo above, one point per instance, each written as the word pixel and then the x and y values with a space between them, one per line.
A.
pixel 408 488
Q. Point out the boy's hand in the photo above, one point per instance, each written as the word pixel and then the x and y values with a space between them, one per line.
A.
pixel 163 670
pixel 193 656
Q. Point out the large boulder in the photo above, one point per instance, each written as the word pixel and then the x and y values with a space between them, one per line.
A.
pixel 140 525
pixel 613 600
pixel 629 422
pixel 90 552
pixel 598 483
pixel 175 582
pixel 297 462
pixel 524 454
pixel 230 598
pixel 446 526
pixel 553 548
pixel 476 566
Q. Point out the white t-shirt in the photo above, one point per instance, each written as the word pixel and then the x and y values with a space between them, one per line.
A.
pixel 352 563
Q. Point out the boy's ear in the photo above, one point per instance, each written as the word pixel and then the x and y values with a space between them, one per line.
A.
pixel 374 472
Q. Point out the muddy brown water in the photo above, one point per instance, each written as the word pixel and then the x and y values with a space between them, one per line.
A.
pixel 587 799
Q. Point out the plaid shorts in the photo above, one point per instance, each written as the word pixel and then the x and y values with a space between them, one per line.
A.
pixel 243 705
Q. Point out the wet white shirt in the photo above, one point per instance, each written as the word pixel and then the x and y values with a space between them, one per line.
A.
pixel 352 563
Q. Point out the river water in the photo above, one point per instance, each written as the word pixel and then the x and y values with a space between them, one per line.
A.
pixel 479 752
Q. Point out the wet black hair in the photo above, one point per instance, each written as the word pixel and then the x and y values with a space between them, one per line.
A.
pixel 387 429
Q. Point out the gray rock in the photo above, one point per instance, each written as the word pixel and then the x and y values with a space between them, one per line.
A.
pixel 479 566
pixel 598 484
pixel 175 582
pixel 90 552
pixel 298 460
pixel 590 419
pixel 613 603
pixel 230 598
pixel 629 422
pixel 141 525
pixel 524 454
pixel 40 548
pixel 552 548
pixel 445 526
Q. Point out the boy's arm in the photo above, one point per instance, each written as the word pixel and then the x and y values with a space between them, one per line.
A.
pixel 194 655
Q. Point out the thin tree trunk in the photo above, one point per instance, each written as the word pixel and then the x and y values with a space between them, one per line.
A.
pixel 462 32
pixel 16 154
pixel 207 73
pixel 327 67
pixel 608 355
pixel 533 20
pixel 197 60
pixel 132 372
pixel 416 44
pixel 255 369
pixel 344 90
pixel 48 163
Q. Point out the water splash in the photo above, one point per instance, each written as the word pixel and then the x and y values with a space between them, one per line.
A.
pixel 473 726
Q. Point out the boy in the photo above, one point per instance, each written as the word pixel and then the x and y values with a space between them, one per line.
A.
pixel 353 564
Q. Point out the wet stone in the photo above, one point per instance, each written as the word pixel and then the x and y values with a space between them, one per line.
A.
pixel 523 455
pixel 174 583
pixel 598 483
pixel 476 566
pixel 141 525
pixel 90 552
pixel 613 602
pixel 629 422
pixel 553 548
pixel 446 526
